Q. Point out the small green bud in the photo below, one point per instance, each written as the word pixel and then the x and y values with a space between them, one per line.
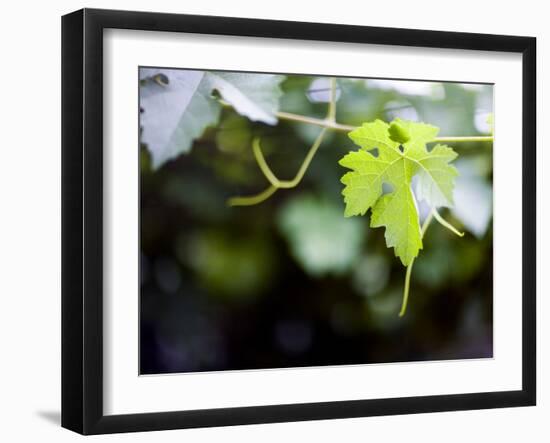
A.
pixel 398 133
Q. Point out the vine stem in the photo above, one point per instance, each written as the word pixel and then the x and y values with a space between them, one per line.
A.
pixel 286 184
pixel 433 214
pixel 253 199
pixel 406 288
pixel 275 183
pixel 324 123
pixel 481 138
pixel 333 125
pixel 330 123
pixel 331 114
pixel 446 224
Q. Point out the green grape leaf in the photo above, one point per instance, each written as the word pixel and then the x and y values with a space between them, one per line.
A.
pixel 402 155
pixel 177 105
pixel 397 212
pixel 364 183
pixel 374 135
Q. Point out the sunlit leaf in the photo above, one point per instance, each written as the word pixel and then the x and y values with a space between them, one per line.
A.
pixel 396 164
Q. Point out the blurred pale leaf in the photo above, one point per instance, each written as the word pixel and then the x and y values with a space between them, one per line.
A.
pixel 255 96
pixel 371 274
pixel 321 240
pixel 178 105
pixel 319 90
pixel 453 112
pixel 473 199
pixel 491 122
pixel 484 122
pixel 174 113
pixel 404 87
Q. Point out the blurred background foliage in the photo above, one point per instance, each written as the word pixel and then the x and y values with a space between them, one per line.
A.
pixel 291 282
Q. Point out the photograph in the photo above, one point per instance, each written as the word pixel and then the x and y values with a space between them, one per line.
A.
pixel 291 220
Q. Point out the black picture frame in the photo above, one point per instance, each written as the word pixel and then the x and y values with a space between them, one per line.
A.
pixel 82 221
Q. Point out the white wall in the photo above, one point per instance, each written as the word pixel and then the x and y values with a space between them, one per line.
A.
pixel 30 219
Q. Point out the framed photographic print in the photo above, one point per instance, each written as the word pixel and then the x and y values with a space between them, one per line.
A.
pixel 270 221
